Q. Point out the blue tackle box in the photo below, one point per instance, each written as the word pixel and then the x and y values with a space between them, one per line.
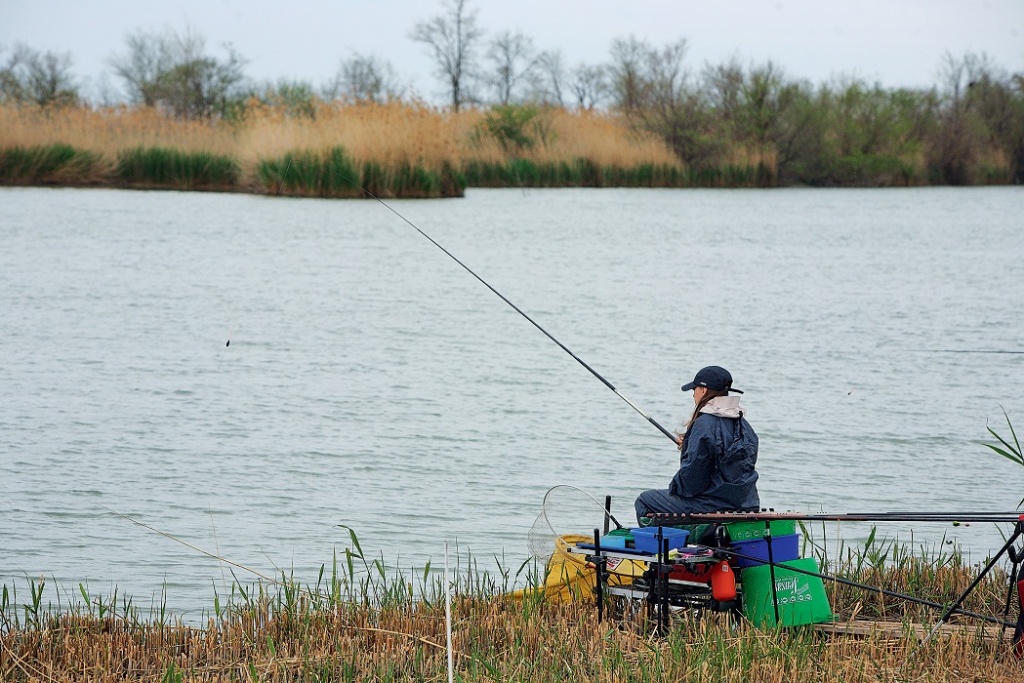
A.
pixel 646 538
pixel 784 548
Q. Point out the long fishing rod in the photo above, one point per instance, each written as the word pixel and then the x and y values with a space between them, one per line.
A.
pixel 518 310
pixel 670 518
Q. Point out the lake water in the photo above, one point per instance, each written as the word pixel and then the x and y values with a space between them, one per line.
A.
pixel 371 383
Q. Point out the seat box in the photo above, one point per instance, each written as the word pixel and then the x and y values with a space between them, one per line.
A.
pixel 646 538
pixel 756 551
pixel 746 531
pixel 801 598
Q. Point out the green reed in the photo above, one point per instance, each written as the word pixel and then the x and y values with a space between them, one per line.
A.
pixel 333 173
pixel 518 172
pixel 307 173
pixel 401 180
pixel 175 169
pixel 1007 446
pixel 56 164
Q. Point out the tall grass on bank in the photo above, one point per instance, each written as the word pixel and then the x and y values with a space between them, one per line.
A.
pixel 585 173
pixel 171 168
pixel 407 180
pixel 330 174
pixel 53 164
pixel 365 621
pixel 334 174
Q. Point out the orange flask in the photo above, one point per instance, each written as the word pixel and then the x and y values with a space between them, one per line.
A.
pixel 723 582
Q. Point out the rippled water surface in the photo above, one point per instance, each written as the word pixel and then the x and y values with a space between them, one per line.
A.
pixel 371 382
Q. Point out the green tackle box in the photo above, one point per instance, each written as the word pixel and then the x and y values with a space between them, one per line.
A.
pixel 801 597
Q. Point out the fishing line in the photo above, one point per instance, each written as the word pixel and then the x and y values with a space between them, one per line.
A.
pixel 275 582
pixel 192 547
pixel 223 350
pixel 518 310
pixel 216 543
pixel 1012 352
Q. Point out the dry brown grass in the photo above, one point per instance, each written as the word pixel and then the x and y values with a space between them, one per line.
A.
pixel 493 640
pixel 109 131
pixel 385 133
pixel 389 133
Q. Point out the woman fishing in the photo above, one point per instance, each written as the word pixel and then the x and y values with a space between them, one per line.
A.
pixel 718 451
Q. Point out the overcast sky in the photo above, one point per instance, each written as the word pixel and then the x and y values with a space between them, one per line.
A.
pixel 895 42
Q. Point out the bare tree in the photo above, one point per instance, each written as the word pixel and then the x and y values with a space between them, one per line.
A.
pixel 148 58
pixel 174 71
pixel 724 86
pixel 43 78
pixel 514 63
pixel 589 86
pixel 956 75
pixel 451 40
pixel 364 78
pixel 551 78
pixel 626 73
pixel 654 89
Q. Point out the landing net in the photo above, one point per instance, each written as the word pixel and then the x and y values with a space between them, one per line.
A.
pixel 565 510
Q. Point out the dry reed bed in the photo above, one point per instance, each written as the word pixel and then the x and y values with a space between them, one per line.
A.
pixel 493 640
pixel 347 635
pixel 383 141
pixel 361 623
pixel 368 132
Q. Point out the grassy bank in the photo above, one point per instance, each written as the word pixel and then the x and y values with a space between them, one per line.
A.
pixel 392 150
pixel 361 622
pixel 493 641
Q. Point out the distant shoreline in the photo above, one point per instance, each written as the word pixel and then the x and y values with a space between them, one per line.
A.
pixel 402 151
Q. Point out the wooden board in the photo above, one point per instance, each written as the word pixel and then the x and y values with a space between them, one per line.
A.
pixel 895 629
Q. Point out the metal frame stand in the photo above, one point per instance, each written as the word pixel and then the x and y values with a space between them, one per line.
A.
pixel 771 568
pixel 1018 531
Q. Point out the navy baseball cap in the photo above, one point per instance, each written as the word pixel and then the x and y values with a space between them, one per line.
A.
pixel 712 377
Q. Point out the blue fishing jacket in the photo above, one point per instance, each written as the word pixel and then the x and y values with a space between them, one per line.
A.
pixel 716 466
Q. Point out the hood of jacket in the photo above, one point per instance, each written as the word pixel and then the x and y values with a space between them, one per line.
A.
pixel 724 406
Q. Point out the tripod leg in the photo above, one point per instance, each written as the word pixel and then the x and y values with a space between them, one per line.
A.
pixel 1018 531
pixel 1018 632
